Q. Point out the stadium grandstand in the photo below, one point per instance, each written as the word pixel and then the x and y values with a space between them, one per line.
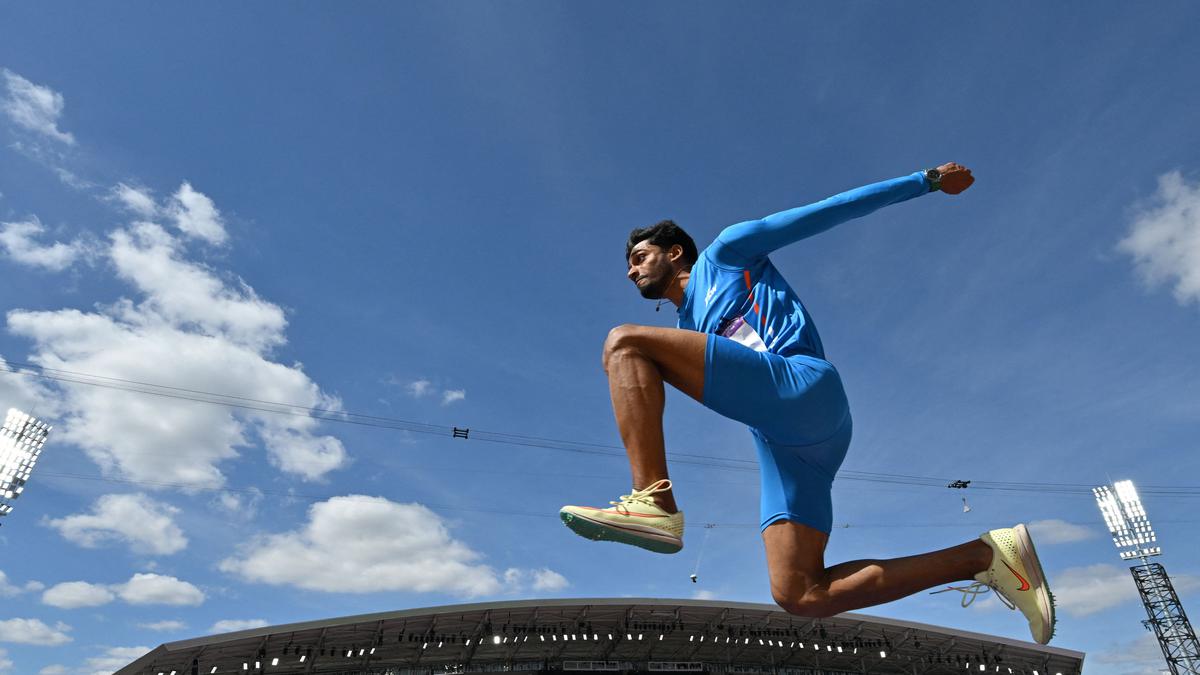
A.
pixel 619 635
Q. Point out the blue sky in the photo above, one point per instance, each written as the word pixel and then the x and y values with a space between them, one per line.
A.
pixel 417 211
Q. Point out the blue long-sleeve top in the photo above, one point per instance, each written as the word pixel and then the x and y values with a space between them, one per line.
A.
pixel 735 291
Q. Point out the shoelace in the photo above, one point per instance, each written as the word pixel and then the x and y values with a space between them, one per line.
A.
pixel 975 590
pixel 645 496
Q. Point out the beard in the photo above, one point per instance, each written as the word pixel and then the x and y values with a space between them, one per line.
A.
pixel 657 282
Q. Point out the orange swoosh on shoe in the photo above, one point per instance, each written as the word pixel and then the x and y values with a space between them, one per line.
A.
pixel 1024 583
pixel 636 515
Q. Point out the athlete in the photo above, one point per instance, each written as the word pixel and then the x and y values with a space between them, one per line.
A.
pixel 746 348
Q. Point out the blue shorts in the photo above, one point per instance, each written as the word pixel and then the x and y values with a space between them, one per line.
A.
pixel 797 411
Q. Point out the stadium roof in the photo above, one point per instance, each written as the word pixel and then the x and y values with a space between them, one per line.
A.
pixel 604 634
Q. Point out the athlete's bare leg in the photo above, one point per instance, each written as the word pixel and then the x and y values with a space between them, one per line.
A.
pixel 638 359
pixel 801 584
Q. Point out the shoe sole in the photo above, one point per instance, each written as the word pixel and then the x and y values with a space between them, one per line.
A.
pixel 1037 579
pixel 587 528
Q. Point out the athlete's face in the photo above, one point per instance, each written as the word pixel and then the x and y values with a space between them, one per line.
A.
pixel 651 268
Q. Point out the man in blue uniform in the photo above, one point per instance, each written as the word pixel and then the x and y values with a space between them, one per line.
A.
pixel 747 349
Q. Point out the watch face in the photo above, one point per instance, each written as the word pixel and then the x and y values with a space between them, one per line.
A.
pixel 933 174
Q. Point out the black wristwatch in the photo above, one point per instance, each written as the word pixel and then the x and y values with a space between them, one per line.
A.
pixel 935 179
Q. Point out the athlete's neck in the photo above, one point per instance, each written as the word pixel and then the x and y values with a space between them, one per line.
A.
pixel 677 286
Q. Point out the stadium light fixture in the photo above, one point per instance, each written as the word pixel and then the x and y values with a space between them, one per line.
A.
pixel 1126 520
pixel 21 440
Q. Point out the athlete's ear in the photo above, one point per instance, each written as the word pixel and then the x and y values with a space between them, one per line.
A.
pixel 675 253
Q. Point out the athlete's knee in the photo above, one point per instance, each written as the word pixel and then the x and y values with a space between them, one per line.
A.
pixel 808 603
pixel 621 338
pixel 803 595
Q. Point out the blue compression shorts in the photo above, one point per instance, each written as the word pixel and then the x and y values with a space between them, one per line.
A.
pixel 796 409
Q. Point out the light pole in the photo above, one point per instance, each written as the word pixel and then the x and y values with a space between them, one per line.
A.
pixel 21 441
pixel 1132 534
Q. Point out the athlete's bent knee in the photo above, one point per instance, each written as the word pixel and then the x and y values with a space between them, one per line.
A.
pixel 618 339
pixel 806 605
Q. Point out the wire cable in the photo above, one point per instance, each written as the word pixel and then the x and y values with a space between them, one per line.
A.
pixel 524 440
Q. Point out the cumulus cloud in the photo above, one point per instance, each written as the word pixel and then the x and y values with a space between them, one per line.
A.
pixel 137 200
pixel 243 506
pixel 1054 531
pixel 544 579
pixel 216 334
pixel 114 659
pixel 196 215
pixel 33 632
pixel 360 544
pixel 1081 591
pixel 19 242
pixel 147 526
pixel 165 626
pixel 55 669
pixel 34 107
pixel 9 589
pixel 1164 238
pixel 419 388
pixel 232 625
pixel 26 393
pixel 422 387
pixel 158 589
pixel 141 589
pixel 75 594
pixel 1141 656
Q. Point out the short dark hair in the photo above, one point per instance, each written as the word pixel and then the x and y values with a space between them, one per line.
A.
pixel 664 234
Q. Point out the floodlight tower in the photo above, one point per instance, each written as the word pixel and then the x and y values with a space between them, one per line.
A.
pixel 21 441
pixel 1131 532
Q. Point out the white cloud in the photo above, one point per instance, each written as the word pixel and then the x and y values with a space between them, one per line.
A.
pixel 6 663
pixel 158 589
pixel 231 625
pixel 419 388
pixel 1081 591
pixel 1164 238
pixel 1054 531
pixel 26 393
pixel 166 626
pixel 216 334
pixel 139 201
pixel 34 107
pixel 113 659
pixel 146 525
pixel 243 506
pixel 704 595
pixel 183 292
pixel 543 579
pixel 74 594
pixel 451 395
pixel 54 670
pixel 9 589
pixel 33 632
pixel 359 544
pixel 1140 656
pixel 196 216
pixel 18 239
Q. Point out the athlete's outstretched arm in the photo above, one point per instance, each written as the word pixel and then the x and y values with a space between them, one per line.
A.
pixel 756 238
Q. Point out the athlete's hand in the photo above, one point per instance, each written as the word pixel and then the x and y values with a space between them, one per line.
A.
pixel 955 178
